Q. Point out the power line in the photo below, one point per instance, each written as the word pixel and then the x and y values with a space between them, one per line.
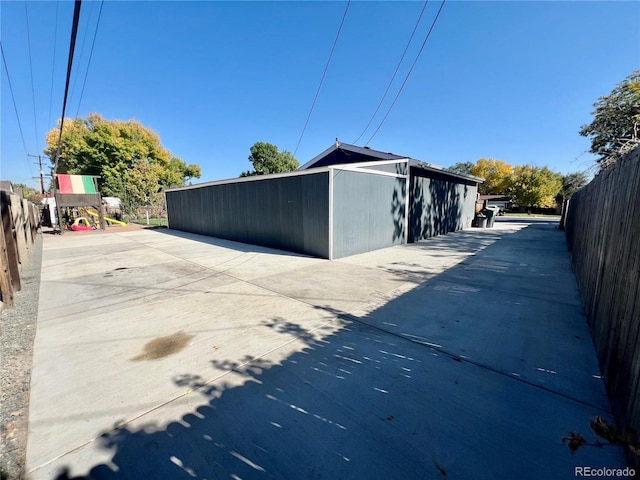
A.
pixel 53 64
pixel 323 75
pixel 393 77
pixel 74 82
pixel 95 34
pixel 33 93
pixel 409 72
pixel 72 46
pixel 15 107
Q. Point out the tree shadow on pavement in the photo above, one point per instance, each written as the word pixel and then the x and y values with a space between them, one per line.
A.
pixel 383 396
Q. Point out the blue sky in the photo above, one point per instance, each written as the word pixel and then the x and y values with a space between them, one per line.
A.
pixel 509 80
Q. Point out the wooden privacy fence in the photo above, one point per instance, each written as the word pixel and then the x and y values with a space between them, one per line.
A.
pixel 603 236
pixel 20 222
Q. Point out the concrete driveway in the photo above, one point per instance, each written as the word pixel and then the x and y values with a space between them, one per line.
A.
pixel 166 355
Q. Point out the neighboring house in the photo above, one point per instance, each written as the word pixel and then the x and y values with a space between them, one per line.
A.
pixel 345 201
pixel 501 201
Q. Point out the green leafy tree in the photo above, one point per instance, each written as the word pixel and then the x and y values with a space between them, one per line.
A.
pixel 110 149
pixel 573 182
pixel 143 185
pixel 463 168
pixel 496 174
pixel 266 159
pixel 616 122
pixel 532 186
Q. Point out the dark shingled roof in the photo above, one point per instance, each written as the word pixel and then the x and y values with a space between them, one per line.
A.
pixel 344 153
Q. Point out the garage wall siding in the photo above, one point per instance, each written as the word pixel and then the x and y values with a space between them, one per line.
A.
pixel 368 212
pixel 288 213
pixel 292 212
pixel 439 205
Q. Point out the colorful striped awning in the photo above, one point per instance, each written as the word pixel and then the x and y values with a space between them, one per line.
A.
pixel 76 184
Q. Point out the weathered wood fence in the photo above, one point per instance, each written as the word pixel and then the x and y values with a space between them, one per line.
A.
pixel 20 223
pixel 603 236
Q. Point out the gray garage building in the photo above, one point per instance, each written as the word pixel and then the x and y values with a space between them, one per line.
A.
pixel 346 200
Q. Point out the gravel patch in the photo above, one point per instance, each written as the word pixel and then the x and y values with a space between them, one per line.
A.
pixel 17 332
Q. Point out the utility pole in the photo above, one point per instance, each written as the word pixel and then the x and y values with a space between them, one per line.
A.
pixel 39 157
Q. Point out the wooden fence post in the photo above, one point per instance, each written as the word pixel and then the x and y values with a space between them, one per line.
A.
pixel 9 239
pixel 34 212
pixel 6 286
pixel 27 222
pixel 18 227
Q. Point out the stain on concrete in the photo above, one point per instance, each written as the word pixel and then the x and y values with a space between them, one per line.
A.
pixel 110 274
pixel 164 346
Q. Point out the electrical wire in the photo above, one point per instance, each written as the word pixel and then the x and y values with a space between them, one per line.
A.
pixel 15 107
pixel 323 75
pixel 33 93
pixel 393 77
pixel 72 46
pixel 408 73
pixel 53 64
pixel 95 34
pixel 74 80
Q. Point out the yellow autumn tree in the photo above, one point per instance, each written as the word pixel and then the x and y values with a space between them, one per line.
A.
pixel 533 186
pixel 496 174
